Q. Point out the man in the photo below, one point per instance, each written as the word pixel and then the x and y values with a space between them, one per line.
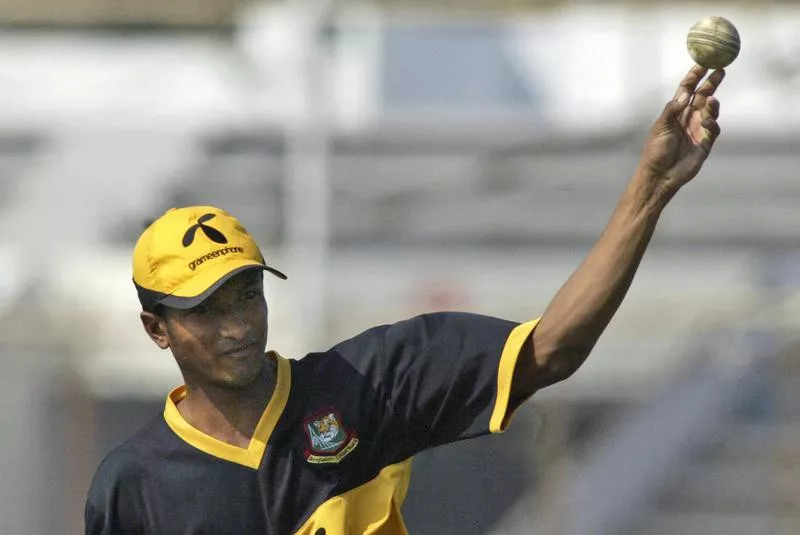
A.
pixel 255 443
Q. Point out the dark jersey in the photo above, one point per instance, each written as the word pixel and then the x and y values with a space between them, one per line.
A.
pixel 332 452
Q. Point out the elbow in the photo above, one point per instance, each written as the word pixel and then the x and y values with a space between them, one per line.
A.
pixel 559 354
pixel 560 364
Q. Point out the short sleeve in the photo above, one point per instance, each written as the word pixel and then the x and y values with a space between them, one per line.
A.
pixel 112 507
pixel 443 377
pixel 97 520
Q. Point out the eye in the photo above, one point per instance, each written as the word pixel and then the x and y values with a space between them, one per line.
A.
pixel 251 294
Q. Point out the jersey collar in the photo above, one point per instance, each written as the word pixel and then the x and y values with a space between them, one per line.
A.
pixel 254 453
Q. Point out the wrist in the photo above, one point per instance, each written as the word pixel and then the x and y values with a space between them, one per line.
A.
pixel 649 191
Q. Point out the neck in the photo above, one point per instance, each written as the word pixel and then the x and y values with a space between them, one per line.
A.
pixel 229 415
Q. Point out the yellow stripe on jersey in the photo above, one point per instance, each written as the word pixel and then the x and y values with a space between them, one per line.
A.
pixel 254 453
pixel 372 508
pixel 505 373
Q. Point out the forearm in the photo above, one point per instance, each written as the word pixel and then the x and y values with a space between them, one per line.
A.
pixel 585 304
pixel 679 142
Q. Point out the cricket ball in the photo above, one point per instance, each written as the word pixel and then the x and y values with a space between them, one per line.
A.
pixel 713 42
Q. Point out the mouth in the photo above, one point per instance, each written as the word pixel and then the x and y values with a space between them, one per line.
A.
pixel 238 350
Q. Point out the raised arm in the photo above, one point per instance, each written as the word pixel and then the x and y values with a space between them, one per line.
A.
pixel 676 148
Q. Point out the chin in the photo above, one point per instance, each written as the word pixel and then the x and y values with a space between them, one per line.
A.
pixel 242 375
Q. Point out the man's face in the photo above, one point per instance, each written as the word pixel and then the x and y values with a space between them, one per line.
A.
pixel 221 341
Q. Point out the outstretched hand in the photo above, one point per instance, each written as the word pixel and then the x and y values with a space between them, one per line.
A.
pixel 682 137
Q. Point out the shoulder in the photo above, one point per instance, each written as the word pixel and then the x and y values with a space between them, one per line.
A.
pixel 127 462
pixel 384 344
pixel 455 321
pixel 440 329
pixel 424 326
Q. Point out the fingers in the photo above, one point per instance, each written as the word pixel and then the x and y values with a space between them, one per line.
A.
pixel 702 101
pixel 710 134
pixel 711 109
pixel 708 120
pixel 670 117
pixel 689 82
pixel 707 89
pixel 683 96
pixel 689 92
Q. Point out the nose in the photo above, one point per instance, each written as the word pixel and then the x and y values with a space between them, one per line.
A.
pixel 233 324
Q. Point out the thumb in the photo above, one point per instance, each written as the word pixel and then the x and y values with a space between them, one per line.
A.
pixel 673 110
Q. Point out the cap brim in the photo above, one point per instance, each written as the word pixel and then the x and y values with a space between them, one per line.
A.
pixel 185 303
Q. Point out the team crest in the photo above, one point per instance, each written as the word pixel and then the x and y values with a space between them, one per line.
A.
pixel 328 440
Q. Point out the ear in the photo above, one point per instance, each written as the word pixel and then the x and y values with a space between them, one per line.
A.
pixel 156 329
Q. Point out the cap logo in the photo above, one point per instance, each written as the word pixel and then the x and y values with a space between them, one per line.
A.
pixel 210 232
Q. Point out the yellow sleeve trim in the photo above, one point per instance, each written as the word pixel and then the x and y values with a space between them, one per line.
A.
pixel 505 373
pixel 254 453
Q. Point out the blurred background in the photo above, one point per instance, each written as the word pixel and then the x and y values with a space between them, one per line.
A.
pixel 396 157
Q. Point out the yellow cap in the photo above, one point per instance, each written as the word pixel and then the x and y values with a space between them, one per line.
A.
pixel 187 253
